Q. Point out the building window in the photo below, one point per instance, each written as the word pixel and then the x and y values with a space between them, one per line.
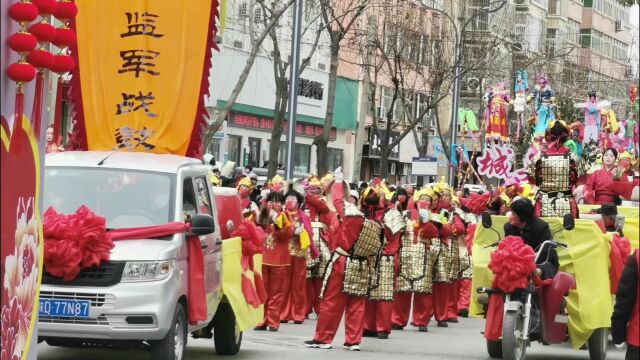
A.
pixel 242 9
pixel 479 12
pixel 573 27
pixel 254 152
pixel 302 158
pixel 257 14
pixel 214 149
pixel 554 7
pixel 552 36
pixel 233 149
pixel 335 158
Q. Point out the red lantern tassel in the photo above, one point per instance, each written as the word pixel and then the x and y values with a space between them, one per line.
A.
pixel 19 108
pixel 36 114
pixel 57 120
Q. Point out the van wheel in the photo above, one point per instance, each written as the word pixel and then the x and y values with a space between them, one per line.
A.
pixel 173 346
pixel 226 335
pixel 598 343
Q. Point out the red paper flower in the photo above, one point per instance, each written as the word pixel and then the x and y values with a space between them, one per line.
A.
pixel 477 204
pixel 512 264
pixel 92 239
pixel 62 258
pixel 54 224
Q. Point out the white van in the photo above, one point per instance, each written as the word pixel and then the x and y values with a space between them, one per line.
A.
pixel 140 296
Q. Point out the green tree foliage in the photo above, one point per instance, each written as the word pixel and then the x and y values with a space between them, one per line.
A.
pixel 565 108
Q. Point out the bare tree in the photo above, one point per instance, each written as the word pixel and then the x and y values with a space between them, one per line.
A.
pixel 276 10
pixel 339 19
pixel 280 66
pixel 410 73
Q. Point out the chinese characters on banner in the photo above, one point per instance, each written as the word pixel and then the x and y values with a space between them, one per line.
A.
pixel 497 162
pixel 146 91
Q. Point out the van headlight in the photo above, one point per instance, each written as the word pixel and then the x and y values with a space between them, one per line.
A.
pixel 135 271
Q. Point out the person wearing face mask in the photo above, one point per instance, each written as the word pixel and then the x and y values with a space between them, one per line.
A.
pixel 322 219
pixel 276 260
pixel 343 286
pixel 278 184
pixel 379 305
pixel 555 172
pixel 300 246
pixel 249 208
pixel 401 200
pixel 415 266
pixel 446 249
pixel 461 264
pixel 607 185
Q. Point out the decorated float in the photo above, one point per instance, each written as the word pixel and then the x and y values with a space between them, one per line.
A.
pixel 564 166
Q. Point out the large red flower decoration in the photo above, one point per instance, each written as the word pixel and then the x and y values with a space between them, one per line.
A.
pixel 512 264
pixel 73 242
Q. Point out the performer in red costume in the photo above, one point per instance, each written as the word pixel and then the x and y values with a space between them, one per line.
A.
pixel 276 260
pixel 379 306
pixel 320 223
pixel 300 246
pixel 343 289
pixel 249 208
pixel 555 172
pixel 415 266
pixel 447 250
pixel 608 184
pixel 462 271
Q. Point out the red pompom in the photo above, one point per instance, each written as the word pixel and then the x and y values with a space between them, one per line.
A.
pixel 45 32
pixel 22 42
pixel 41 59
pixel 66 10
pixel 64 37
pixel 23 12
pixel 63 64
pixel 21 72
pixel 46 7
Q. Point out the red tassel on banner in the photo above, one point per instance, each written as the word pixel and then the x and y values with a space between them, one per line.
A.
pixel 36 113
pixel 19 108
pixel 58 112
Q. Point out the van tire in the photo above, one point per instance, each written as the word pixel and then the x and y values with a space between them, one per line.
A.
pixel 174 344
pixel 227 336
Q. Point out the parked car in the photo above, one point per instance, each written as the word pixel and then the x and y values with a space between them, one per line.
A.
pixel 140 296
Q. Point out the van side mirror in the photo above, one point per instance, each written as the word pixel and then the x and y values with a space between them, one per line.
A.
pixel 568 222
pixel 486 220
pixel 202 224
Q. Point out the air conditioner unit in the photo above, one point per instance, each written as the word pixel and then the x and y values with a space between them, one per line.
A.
pixel 618 25
pixel 628 72
pixel 381 112
pixel 473 83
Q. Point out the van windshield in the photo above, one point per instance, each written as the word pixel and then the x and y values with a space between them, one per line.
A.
pixel 126 198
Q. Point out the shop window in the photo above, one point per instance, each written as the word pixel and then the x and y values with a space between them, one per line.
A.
pixel 254 152
pixel 302 158
pixel 233 149
pixel 335 158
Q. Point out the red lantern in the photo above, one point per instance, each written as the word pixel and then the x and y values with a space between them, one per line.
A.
pixel 41 59
pixel 46 7
pixel 22 42
pixel 21 72
pixel 23 12
pixel 43 31
pixel 63 64
pixel 66 10
pixel 64 37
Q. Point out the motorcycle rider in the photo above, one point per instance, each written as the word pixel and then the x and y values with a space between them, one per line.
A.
pixel 534 231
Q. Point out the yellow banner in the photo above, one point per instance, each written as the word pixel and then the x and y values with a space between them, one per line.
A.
pixel 143 71
pixel 590 306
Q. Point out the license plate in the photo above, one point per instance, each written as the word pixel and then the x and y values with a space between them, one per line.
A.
pixel 64 308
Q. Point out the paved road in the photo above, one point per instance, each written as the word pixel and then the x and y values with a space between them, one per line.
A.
pixel 459 341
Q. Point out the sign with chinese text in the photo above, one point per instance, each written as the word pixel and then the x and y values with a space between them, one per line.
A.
pixel 266 124
pixel 497 162
pixel 143 69
pixel 424 166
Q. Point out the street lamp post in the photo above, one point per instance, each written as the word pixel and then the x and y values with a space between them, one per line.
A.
pixel 294 80
pixel 454 103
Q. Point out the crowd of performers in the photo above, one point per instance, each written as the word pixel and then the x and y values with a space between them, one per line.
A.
pixel 370 256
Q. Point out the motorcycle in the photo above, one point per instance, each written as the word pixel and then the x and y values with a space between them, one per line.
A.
pixel 535 312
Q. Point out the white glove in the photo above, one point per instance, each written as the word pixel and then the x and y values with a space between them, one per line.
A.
pixel 338 175
pixel 298 230
pixel 424 214
pixel 621 345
